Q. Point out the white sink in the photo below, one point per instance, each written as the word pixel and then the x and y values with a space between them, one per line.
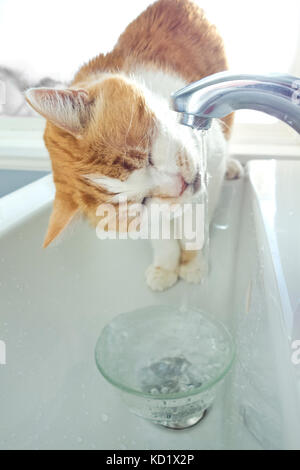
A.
pixel 54 303
pixel 11 180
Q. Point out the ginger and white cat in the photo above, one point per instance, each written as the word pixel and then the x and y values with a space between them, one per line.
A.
pixel 112 132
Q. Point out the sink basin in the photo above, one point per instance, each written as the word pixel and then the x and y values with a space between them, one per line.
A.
pixel 55 302
pixel 11 180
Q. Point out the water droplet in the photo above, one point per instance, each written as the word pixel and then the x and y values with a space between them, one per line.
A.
pixel 221 226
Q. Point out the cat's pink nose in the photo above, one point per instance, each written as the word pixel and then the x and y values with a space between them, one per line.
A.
pixel 184 185
pixel 175 186
pixel 170 186
pixel 179 186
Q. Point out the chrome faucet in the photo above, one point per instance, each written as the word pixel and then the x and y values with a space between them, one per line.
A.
pixel 220 94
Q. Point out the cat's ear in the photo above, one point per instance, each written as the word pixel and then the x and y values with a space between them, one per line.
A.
pixel 64 210
pixel 68 109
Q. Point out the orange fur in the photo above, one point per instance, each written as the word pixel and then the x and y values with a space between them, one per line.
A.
pixel 108 147
pixel 187 256
pixel 172 35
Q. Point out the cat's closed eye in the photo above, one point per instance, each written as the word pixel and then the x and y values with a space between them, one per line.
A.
pixel 150 161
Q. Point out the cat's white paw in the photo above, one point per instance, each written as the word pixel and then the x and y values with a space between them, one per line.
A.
pixel 234 169
pixel 159 279
pixel 194 272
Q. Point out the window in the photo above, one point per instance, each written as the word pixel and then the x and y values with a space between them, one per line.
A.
pixel 53 38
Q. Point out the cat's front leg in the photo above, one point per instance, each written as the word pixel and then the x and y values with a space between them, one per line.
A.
pixel 234 169
pixel 193 266
pixel 163 273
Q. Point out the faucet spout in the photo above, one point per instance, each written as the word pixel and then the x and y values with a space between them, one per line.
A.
pixel 220 94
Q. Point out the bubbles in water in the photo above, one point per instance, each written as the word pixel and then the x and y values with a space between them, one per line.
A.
pixel 170 357
pixel 169 375
pixel 183 309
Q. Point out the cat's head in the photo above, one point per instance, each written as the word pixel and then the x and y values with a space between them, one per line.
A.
pixel 109 139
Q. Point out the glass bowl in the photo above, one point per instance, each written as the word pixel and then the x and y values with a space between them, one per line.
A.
pixel 167 363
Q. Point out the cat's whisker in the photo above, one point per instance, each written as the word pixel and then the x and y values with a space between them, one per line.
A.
pixel 130 124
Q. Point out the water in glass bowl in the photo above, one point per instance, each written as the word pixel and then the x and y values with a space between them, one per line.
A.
pixel 166 362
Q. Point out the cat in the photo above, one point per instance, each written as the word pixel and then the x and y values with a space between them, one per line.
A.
pixel 113 132
pixel 13 84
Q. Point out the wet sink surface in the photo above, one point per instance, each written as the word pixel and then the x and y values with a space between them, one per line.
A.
pixel 55 302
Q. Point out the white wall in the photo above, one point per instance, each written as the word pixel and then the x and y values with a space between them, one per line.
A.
pixel 54 37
